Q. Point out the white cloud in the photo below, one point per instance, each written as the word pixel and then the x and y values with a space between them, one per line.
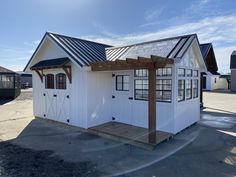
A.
pixel 220 30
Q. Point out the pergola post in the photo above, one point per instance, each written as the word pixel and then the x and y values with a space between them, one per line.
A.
pixel 152 105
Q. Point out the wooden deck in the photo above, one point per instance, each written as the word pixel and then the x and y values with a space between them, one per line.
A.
pixel 129 134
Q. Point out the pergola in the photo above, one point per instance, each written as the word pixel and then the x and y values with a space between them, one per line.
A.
pixel 152 63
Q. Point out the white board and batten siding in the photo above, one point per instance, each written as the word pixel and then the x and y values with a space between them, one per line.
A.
pixel 187 112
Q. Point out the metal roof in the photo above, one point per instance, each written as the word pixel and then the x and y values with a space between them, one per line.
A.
pixel 50 63
pixel 169 48
pixel 233 60
pixel 5 70
pixel 205 48
pixel 82 51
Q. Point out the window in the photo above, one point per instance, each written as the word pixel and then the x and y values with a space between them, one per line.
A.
pixel 188 72
pixel 188 89
pixel 195 73
pixel 49 81
pixel 61 81
pixel 6 81
pixel 181 90
pixel 181 72
pixel 195 88
pixel 163 90
pixel 122 83
pixel 141 73
pixel 164 71
pixel 141 89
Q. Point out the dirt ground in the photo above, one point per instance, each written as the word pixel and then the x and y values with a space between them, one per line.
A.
pixel 34 147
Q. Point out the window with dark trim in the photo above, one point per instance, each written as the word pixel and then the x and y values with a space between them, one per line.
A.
pixel 163 90
pixel 122 83
pixel 164 72
pixel 188 83
pixel 141 89
pixel 188 72
pixel 181 90
pixel 181 72
pixel 141 73
pixel 195 88
pixel 195 73
pixel 61 81
pixel 49 81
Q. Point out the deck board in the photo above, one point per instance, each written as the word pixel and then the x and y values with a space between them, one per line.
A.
pixel 127 133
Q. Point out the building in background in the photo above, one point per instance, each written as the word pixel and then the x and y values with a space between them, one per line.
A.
pixel 233 71
pixel 9 83
pixel 26 80
pixel 211 80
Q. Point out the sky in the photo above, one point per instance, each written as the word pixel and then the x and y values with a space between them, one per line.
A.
pixel 115 22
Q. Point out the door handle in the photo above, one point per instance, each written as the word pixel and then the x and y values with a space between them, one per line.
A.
pixel 113 96
pixel 55 95
pixel 130 98
pixel 44 94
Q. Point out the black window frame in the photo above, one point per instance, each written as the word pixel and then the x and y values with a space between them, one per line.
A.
pixel 142 90
pixel 61 81
pixel 162 71
pixel 142 73
pixel 181 75
pixel 188 89
pixel 181 89
pixel 50 81
pixel 189 72
pixel 163 90
pixel 195 89
pixel 122 83
pixel 195 73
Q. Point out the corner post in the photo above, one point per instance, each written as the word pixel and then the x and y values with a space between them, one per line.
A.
pixel 152 104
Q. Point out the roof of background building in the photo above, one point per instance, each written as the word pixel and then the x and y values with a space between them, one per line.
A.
pixel 5 70
pixel 233 60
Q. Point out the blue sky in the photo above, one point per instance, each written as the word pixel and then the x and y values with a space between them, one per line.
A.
pixel 116 22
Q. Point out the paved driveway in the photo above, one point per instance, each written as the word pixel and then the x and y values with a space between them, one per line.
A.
pixel 35 147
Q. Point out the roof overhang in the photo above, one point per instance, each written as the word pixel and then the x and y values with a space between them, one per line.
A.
pixel 131 63
pixel 51 64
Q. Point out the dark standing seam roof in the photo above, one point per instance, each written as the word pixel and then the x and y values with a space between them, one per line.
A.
pixel 233 60
pixel 209 58
pixel 81 51
pixel 50 63
pixel 169 48
pixel 84 52
pixel 5 70
pixel 205 49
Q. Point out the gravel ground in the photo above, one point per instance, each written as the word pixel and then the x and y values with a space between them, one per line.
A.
pixel 18 162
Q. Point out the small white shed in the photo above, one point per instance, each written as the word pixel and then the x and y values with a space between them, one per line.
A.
pixel 154 85
pixel 211 79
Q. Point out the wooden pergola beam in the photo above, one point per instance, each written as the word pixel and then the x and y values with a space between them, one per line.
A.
pixel 152 105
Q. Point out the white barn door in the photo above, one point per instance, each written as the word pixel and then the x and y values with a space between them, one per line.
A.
pixel 122 98
pixel 58 103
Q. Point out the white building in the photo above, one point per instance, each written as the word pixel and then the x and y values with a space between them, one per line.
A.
pixel 85 84
pixel 211 79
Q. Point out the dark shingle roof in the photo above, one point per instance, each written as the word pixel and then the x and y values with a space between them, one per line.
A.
pixel 169 48
pixel 233 60
pixel 82 51
pixel 5 70
pixel 51 63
